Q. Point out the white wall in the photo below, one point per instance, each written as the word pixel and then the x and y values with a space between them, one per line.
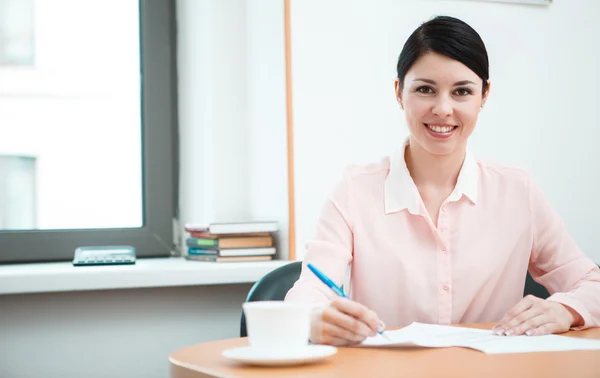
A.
pixel 232 112
pixel 116 334
pixel 541 114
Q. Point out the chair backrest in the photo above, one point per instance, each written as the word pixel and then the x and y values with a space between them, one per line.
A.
pixel 534 288
pixel 272 287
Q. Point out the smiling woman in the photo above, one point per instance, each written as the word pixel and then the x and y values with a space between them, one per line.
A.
pixel 442 83
pixel 434 235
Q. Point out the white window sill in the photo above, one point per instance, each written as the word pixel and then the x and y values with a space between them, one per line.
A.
pixel 155 272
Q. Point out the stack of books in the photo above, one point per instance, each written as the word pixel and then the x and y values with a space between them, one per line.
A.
pixel 223 242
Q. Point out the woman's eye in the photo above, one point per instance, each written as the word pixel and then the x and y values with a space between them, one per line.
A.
pixel 425 89
pixel 463 91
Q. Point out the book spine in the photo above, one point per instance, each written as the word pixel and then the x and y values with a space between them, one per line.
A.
pixel 196 242
pixel 202 252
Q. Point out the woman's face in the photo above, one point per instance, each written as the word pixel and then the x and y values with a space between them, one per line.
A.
pixel 441 98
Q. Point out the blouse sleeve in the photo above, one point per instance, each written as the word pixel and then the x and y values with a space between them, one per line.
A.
pixel 330 250
pixel 558 264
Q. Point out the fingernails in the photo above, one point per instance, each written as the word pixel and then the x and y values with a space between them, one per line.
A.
pixel 499 331
pixel 509 332
pixel 530 332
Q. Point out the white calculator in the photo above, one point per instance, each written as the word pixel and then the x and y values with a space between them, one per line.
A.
pixel 104 255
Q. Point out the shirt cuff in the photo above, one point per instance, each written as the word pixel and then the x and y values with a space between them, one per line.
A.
pixel 566 299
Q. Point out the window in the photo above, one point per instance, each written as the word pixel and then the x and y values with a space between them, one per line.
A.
pixel 88 117
pixel 16 32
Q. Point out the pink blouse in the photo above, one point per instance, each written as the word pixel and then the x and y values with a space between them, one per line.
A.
pixel 494 227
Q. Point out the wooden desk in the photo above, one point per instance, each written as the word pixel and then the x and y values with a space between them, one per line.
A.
pixel 205 360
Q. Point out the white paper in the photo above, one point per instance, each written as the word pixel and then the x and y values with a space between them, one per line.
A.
pixel 438 336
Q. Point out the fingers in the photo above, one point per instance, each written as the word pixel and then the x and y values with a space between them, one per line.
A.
pixel 336 341
pixel 347 320
pixel 333 334
pixel 343 322
pixel 523 305
pixel 516 315
pixel 524 321
pixel 358 311
pixel 534 316
pixel 545 329
pixel 526 327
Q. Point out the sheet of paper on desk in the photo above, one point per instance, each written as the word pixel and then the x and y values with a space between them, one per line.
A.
pixel 439 336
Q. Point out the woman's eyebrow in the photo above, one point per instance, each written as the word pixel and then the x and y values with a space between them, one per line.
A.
pixel 425 80
pixel 429 81
pixel 464 82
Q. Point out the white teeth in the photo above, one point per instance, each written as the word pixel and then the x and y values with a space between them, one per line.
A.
pixel 441 129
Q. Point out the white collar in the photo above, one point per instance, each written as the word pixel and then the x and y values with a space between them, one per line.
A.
pixel 401 192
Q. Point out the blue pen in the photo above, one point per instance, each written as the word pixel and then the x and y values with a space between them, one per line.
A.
pixel 327 281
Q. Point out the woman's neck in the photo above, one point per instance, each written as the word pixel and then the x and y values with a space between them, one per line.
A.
pixel 429 170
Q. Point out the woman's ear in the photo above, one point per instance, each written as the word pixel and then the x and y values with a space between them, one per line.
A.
pixel 486 94
pixel 398 92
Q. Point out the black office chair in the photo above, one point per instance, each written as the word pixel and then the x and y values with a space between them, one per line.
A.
pixel 272 287
pixel 534 288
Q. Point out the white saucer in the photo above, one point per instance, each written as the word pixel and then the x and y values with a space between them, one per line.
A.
pixel 277 357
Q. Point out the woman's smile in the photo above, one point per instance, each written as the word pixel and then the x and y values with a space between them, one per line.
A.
pixel 440 130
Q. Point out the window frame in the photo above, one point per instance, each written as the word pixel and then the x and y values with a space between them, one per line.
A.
pixel 159 160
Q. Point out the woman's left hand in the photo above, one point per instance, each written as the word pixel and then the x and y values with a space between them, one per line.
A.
pixel 536 316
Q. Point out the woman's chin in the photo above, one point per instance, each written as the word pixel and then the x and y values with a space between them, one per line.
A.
pixel 440 148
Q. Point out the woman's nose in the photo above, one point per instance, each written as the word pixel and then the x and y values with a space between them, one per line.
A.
pixel 442 107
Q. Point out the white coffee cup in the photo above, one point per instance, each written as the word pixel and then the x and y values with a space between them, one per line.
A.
pixel 277 325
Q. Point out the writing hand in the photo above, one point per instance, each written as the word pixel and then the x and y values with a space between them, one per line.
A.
pixel 343 322
pixel 534 316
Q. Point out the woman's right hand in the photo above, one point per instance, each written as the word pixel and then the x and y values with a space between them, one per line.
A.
pixel 343 322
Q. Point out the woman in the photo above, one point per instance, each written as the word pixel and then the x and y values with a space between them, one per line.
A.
pixel 434 236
